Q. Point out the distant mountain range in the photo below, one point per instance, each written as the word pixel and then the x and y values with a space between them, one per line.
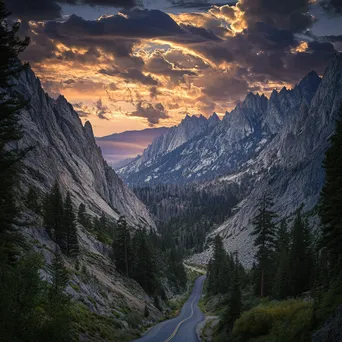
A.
pixel 121 148
pixel 273 145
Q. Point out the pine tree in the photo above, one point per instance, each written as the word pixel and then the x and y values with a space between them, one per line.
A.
pixel 71 238
pixel 218 272
pixel 300 256
pixel 10 130
pixel 122 247
pixel 81 215
pixel 330 206
pixel 58 328
pixel 264 233
pixel 54 216
pixel 233 311
pixel 144 269
pixel 32 201
pixel 146 311
pixel 281 281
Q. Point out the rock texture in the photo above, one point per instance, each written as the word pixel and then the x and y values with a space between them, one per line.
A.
pixel 158 155
pixel 331 330
pixel 275 145
pixel 66 150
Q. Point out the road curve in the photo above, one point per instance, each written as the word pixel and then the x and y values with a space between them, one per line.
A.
pixel 183 327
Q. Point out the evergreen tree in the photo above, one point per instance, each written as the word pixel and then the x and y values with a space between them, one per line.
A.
pixel 264 233
pixel 59 305
pixel 83 218
pixel 71 243
pixel 330 206
pixel 146 311
pixel 32 201
pixel 218 271
pixel 54 214
pixel 300 256
pixel 122 247
pixel 281 282
pixel 235 303
pixel 59 274
pixel 10 130
pixel 144 269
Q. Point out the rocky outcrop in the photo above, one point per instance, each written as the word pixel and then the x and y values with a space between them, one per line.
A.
pixel 331 330
pixel 65 150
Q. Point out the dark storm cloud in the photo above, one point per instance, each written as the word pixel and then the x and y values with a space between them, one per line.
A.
pixel 131 75
pixel 153 113
pixel 290 14
pixel 199 4
pixel 34 9
pixel 136 23
pixel 51 9
pixel 225 86
pixel 332 6
pixel 334 38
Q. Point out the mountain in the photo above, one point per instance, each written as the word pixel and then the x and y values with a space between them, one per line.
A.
pixel 120 148
pixel 65 150
pixel 273 145
pixel 189 128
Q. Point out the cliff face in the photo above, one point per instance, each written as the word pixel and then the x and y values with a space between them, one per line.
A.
pixel 66 150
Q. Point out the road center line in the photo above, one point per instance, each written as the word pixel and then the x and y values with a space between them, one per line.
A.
pixel 180 323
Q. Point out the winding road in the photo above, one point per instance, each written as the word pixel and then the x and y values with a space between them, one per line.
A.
pixel 183 327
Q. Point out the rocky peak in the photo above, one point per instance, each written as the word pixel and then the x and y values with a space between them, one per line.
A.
pixel 88 130
pixel 309 85
pixel 213 120
pixel 255 102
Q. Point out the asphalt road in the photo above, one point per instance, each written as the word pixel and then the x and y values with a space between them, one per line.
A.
pixel 183 327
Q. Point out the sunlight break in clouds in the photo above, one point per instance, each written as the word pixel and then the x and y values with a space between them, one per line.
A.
pixel 135 68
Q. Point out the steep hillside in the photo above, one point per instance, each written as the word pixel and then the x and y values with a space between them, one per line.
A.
pixel 67 151
pixel 106 305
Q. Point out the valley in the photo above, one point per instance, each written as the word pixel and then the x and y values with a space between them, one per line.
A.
pixel 216 227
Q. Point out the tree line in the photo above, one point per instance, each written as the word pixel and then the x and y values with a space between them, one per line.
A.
pixel 186 213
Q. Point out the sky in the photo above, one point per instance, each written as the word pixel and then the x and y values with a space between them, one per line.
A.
pixel 134 64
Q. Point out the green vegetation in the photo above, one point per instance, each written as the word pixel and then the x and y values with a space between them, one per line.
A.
pixel 187 225
pixel 276 321
pixel 60 221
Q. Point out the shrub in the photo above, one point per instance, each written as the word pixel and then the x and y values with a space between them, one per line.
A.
pixel 276 321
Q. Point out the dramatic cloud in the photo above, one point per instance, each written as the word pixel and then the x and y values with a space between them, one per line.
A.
pixel 101 110
pixel 51 9
pixel 81 109
pixel 290 14
pixel 153 113
pixel 332 6
pixel 143 67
